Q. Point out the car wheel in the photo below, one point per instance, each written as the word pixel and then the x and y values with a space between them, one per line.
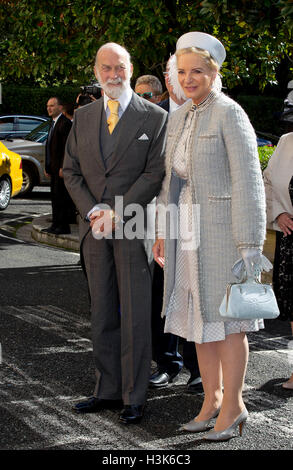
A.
pixel 28 181
pixel 5 193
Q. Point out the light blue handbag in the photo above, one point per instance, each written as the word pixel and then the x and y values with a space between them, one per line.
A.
pixel 249 300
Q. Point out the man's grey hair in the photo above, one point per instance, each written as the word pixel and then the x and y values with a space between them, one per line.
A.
pixel 114 46
pixel 152 81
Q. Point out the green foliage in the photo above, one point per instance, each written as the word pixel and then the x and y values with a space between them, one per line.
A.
pixel 257 36
pixel 52 42
pixel 265 154
pixel 262 111
pixel 32 100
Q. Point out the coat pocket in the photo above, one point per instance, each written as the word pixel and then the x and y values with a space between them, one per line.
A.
pixel 208 144
pixel 220 209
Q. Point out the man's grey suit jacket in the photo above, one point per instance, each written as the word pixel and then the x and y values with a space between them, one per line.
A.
pixel 136 169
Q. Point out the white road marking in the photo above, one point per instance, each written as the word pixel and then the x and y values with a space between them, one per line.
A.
pixel 47 409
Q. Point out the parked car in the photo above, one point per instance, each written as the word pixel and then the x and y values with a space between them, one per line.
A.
pixel 10 175
pixel 261 142
pixel 32 151
pixel 18 125
pixel 266 139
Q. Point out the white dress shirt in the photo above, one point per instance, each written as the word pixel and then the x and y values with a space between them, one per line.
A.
pixel 56 119
pixel 124 100
pixel 172 105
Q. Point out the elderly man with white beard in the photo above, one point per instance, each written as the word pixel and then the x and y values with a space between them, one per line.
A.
pixel 115 149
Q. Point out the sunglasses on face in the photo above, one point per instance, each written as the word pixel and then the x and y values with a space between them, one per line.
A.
pixel 147 95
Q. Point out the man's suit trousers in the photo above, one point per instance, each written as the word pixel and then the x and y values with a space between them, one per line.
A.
pixel 120 286
pixel 63 209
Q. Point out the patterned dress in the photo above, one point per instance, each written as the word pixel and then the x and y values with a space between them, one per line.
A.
pixel 283 271
pixel 183 317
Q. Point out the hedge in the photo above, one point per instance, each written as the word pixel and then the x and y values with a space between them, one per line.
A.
pixel 263 111
pixel 265 154
pixel 33 100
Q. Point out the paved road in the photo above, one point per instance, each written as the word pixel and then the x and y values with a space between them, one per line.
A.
pixel 47 365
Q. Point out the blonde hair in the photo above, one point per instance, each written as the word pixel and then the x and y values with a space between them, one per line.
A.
pixel 205 55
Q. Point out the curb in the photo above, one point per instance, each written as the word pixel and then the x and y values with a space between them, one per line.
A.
pixel 71 241
pixel 68 241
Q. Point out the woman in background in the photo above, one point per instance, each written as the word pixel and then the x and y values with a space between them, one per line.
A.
pixel 278 178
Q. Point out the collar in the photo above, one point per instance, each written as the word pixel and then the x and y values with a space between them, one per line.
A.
pixel 56 119
pixel 124 99
pixel 213 94
pixel 173 105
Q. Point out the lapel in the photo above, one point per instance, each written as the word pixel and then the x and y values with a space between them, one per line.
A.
pixel 93 121
pixel 51 140
pixel 131 121
pixel 52 131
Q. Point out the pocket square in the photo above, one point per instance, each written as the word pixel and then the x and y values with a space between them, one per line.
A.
pixel 143 137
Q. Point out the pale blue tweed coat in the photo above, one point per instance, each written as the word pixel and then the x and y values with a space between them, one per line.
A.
pixel 227 183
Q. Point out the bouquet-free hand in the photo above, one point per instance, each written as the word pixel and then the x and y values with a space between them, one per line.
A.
pixel 285 223
pixel 102 223
pixel 159 251
pixel 252 263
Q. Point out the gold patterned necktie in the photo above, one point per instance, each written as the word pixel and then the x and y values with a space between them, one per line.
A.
pixel 113 118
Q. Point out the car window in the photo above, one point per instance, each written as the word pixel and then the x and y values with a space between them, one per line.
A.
pixel 39 134
pixel 6 124
pixel 27 124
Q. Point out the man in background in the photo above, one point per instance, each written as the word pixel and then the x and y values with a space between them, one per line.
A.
pixel 62 207
pixel 149 87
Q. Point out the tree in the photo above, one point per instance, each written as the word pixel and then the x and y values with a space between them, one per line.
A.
pixel 257 36
pixel 55 41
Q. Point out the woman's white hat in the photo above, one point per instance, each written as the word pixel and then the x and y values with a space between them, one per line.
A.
pixel 203 41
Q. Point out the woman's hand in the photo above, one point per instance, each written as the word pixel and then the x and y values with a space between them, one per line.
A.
pixel 159 251
pixel 285 223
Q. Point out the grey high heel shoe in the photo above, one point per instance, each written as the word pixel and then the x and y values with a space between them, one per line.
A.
pixel 198 426
pixel 229 432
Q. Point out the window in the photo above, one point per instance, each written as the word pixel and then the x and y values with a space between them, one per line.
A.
pixel 40 133
pixel 27 124
pixel 6 124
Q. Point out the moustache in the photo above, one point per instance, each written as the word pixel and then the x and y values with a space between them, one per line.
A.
pixel 116 81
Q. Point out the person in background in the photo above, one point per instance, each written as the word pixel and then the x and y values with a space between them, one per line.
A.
pixel 176 98
pixel 213 177
pixel 115 148
pixel 166 345
pixel 82 100
pixel 149 87
pixel 68 110
pixel 63 210
pixel 278 179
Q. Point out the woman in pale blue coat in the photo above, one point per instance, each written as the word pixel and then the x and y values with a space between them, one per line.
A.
pixel 213 178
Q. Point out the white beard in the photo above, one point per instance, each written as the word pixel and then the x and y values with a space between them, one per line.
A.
pixel 114 91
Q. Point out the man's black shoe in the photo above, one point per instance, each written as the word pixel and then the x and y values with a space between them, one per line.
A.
pixel 94 404
pixel 57 230
pixel 49 229
pixel 131 414
pixel 194 385
pixel 161 379
pixel 62 230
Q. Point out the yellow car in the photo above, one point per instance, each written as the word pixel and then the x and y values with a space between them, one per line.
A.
pixel 10 175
